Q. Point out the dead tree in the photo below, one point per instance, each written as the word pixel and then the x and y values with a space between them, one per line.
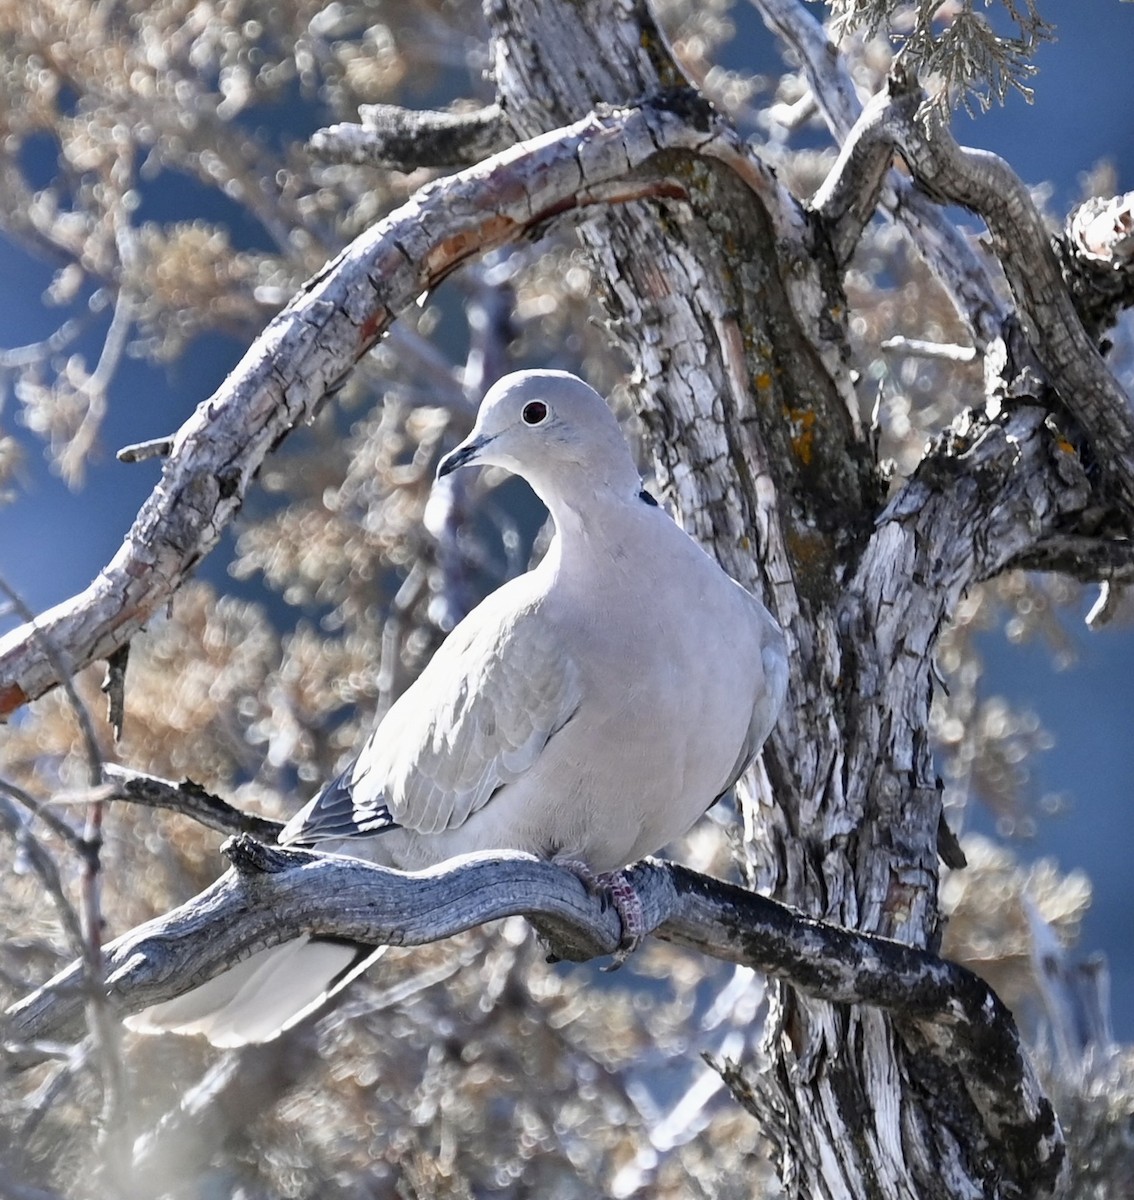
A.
pixel 726 292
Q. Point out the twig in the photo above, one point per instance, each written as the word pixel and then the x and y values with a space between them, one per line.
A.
pixel 1088 559
pixel 848 197
pixel 405 139
pixel 188 798
pixel 62 830
pixel 923 349
pixel 93 388
pixel 16 358
pixel 103 1030
pixel 113 687
pixel 1106 607
pixel 44 865
pixel 139 451
pixel 41 1103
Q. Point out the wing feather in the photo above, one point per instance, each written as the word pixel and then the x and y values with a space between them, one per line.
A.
pixel 476 719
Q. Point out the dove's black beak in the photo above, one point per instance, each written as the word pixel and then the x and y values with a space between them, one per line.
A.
pixel 464 455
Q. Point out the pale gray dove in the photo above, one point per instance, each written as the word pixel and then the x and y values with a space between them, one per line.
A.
pixel 588 711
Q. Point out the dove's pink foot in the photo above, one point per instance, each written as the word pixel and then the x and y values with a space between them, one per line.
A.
pixel 616 886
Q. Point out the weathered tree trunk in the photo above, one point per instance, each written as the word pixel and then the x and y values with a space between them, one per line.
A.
pixel 730 305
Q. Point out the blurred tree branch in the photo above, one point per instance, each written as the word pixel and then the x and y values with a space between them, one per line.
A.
pixel 188 798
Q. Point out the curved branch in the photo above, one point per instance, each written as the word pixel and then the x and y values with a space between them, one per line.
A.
pixel 987 186
pixel 945 249
pixel 339 314
pixel 273 894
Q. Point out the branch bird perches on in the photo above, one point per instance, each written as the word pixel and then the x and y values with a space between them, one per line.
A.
pixel 273 894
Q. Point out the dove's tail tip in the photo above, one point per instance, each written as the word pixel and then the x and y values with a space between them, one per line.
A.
pixel 263 995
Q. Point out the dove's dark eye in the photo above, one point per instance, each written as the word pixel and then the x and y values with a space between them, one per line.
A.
pixel 534 412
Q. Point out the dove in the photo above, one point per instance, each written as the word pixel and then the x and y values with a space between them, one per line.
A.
pixel 588 711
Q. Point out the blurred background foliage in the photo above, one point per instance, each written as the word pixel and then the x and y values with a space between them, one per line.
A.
pixel 153 153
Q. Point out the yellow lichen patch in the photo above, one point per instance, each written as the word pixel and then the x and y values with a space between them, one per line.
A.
pixel 808 549
pixel 802 433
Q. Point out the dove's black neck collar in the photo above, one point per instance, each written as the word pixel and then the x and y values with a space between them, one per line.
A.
pixel 646 498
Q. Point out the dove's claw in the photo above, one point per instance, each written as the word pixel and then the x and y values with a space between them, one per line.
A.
pixel 617 888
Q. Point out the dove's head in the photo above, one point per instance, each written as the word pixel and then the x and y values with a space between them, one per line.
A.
pixel 553 430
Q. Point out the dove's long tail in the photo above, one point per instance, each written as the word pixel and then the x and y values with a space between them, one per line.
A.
pixel 263 995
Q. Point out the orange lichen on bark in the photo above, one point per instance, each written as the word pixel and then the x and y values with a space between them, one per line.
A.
pixel 802 433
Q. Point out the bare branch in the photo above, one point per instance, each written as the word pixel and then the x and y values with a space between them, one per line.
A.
pixel 1088 559
pixel 47 870
pixel 986 184
pixel 113 687
pixel 946 250
pixel 273 894
pixel 405 139
pixel 62 830
pixel 140 451
pixel 189 799
pixel 827 74
pixel 94 387
pixel 89 917
pixel 919 348
pixel 850 193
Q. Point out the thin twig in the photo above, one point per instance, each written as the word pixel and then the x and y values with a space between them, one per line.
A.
pixel 947 351
pixel 43 864
pixel 62 830
pixel 188 798
pixel 406 139
pixel 104 1030
pixel 140 451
